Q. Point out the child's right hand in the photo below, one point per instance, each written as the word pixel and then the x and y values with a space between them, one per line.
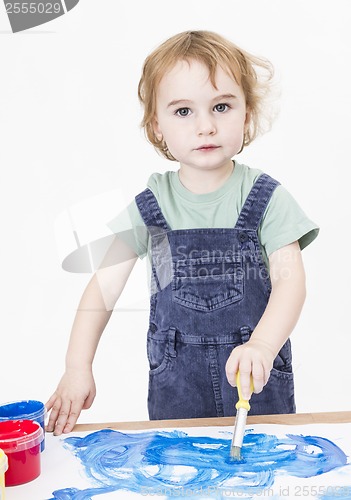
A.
pixel 76 391
pixel 254 358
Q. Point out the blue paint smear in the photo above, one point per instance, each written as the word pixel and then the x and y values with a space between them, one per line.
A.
pixel 174 464
pixel 341 492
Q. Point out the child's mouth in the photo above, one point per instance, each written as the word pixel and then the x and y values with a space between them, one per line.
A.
pixel 207 147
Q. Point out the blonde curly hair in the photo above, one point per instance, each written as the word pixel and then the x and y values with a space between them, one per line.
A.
pixel 253 74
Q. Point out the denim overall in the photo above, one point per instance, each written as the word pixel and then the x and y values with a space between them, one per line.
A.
pixel 210 288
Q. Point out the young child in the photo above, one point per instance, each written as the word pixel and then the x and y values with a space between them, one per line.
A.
pixel 224 242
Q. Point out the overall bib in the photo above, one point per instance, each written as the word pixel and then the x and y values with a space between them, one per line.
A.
pixel 210 288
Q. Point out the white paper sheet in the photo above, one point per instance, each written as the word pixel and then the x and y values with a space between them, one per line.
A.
pixel 307 461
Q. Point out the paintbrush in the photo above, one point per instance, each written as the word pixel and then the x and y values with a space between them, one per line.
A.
pixel 242 409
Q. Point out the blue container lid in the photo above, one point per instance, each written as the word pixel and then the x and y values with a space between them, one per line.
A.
pixel 29 409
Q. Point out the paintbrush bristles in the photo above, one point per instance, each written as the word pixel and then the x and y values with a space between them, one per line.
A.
pixel 235 453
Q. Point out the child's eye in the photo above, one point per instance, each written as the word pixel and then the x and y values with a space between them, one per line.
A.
pixel 221 107
pixel 183 112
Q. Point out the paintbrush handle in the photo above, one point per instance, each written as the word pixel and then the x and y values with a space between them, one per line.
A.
pixel 243 403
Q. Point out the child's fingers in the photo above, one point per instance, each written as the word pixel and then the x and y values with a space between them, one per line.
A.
pixel 50 403
pixel 231 369
pixel 62 416
pixel 71 420
pixel 245 380
pixel 54 404
pixel 258 377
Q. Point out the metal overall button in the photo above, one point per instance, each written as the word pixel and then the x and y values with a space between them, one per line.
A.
pixel 243 237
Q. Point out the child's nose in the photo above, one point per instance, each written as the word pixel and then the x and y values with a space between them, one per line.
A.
pixel 206 125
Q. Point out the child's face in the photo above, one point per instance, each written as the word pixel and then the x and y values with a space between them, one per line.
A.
pixel 203 127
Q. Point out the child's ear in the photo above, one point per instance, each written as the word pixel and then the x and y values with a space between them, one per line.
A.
pixel 157 130
pixel 247 120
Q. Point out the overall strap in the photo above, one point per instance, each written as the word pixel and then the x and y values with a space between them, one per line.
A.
pixel 256 203
pixel 150 212
pixel 158 228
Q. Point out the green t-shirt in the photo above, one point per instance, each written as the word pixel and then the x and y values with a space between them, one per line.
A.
pixel 283 222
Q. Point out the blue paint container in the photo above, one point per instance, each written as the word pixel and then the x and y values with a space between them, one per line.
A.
pixel 25 410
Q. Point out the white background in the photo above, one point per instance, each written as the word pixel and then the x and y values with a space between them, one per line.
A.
pixel 70 140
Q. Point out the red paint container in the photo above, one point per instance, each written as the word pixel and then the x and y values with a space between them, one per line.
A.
pixel 29 409
pixel 20 440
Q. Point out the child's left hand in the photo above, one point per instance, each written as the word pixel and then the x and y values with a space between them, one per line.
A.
pixel 254 357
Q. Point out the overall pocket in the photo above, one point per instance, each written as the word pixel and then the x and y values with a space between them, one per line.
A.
pixel 160 350
pixel 283 362
pixel 208 283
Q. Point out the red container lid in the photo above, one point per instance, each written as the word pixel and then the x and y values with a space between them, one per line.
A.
pixel 18 435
